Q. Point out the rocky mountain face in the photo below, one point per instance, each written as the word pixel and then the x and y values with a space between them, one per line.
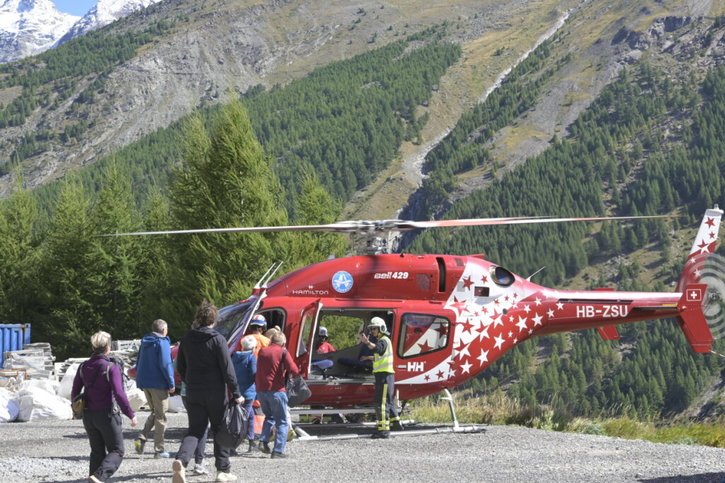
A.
pixel 105 12
pixel 28 27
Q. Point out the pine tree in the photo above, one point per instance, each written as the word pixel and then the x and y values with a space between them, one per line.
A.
pixel 225 182
pixel 19 260
pixel 115 260
pixel 70 316
pixel 315 206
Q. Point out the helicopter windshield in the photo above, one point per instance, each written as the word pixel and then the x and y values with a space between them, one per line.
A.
pixel 234 318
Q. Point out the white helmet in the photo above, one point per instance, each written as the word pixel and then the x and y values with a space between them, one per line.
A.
pixel 378 323
pixel 249 343
pixel 259 321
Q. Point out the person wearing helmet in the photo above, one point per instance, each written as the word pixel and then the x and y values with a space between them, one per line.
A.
pixel 245 367
pixel 323 345
pixel 257 326
pixel 385 410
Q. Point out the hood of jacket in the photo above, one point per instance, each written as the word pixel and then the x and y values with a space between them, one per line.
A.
pixel 201 334
pixel 152 339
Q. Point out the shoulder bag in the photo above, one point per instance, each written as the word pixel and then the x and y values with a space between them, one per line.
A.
pixel 297 389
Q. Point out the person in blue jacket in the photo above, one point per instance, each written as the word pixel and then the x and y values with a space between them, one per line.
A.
pixel 155 375
pixel 245 367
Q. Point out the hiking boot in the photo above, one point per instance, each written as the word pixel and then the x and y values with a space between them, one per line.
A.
pixel 225 476
pixel 251 446
pixel 138 445
pixel 381 435
pixel 264 447
pixel 162 454
pixel 397 426
pixel 200 469
pixel 179 472
pixel 275 454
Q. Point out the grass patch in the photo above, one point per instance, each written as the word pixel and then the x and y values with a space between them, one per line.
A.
pixel 498 408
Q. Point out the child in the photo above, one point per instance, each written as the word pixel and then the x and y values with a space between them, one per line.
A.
pixel 245 366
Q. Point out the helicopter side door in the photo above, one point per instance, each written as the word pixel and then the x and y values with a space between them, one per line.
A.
pixel 423 343
pixel 306 336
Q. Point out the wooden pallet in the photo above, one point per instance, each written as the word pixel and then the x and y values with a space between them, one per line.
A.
pixel 11 376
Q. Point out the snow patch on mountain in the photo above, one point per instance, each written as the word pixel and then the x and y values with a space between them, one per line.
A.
pixel 105 12
pixel 28 27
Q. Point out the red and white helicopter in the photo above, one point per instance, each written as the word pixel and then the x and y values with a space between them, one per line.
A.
pixel 449 316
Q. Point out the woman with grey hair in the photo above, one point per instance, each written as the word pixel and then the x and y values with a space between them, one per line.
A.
pixel 103 395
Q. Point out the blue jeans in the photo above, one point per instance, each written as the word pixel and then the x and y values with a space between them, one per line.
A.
pixel 274 407
pixel 249 409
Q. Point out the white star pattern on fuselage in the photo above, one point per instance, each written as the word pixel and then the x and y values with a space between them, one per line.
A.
pixel 473 319
pixel 537 319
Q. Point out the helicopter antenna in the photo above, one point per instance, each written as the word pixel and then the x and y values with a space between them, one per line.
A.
pixel 259 283
pixel 272 274
pixel 532 275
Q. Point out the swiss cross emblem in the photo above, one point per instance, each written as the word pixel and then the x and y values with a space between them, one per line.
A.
pixel 694 294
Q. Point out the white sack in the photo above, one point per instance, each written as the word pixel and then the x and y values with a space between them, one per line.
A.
pixel 176 405
pixel 136 398
pixel 66 384
pixel 9 408
pixel 36 404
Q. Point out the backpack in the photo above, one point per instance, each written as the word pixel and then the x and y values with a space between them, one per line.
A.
pixel 122 367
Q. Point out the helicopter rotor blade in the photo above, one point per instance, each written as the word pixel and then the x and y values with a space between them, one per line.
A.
pixel 415 225
pixel 333 227
pixel 382 226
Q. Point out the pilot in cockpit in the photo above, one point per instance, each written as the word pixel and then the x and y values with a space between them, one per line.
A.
pixel 323 343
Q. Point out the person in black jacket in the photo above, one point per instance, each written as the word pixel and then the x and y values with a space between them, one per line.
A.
pixel 204 365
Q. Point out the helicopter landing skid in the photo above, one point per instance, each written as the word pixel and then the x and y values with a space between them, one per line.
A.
pixel 303 435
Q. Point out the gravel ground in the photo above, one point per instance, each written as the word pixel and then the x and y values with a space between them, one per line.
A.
pixel 58 451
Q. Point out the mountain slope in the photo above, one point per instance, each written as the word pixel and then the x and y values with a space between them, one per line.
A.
pixel 206 53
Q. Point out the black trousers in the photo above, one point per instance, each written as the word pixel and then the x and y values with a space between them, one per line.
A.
pixel 201 445
pixel 203 409
pixel 106 438
pixel 385 409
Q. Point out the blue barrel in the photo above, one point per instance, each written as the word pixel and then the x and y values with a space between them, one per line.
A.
pixel 13 337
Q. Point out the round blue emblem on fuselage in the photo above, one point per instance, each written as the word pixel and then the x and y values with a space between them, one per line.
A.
pixel 342 282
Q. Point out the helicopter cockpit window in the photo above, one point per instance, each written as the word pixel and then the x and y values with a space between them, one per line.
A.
pixel 421 334
pixel 502 277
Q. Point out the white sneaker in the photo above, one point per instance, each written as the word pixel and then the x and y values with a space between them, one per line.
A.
pixel 221 476
pixel 179 475
pixel 200 469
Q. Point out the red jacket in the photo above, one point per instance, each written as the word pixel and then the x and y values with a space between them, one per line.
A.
pixel 325 348
pixel 273 363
